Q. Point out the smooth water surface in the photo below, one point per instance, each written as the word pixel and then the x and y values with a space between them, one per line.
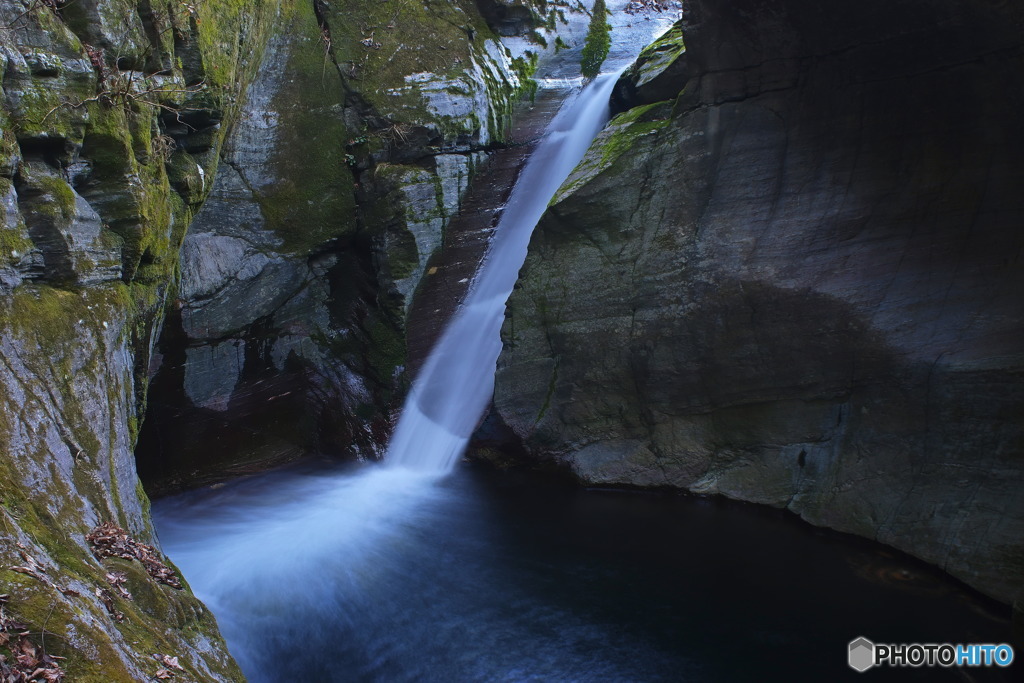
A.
pixel 328 573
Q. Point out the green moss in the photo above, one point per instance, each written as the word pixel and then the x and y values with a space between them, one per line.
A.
pixel 657 56
pixel 223 28
pixel 658 112
pixel 45 315
pixel 140 492
pixel 154 257
pixel 107 143
pixel 629 126
pixel 377 45
pixel 9 150
pixel 157 619
pixel 183 174
pixel 313 200
pixel 135 198
pixel 44 111
pixel 598 41
pixel 41 104
pixel 62 339
pixel 400 35
pixel 385 349
pixel 60 198
pixel 55 328
pixel 525 67
pixel 14 241
pixel 670 42
pixel 619 136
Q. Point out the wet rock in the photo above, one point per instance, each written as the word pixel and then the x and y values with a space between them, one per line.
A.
pixel 419 203
pixel 657 73
pixel 212 372
pixel 64 229
pixel 790 281
pixel 90 225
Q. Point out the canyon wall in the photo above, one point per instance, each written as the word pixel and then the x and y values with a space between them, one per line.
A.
pixel 353 150
pixel 789 273
pixel 274 176
pixel 113 112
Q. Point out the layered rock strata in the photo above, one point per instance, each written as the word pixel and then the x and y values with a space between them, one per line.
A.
pixel 112 114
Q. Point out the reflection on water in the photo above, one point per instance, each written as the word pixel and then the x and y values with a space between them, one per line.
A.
pixel 327 573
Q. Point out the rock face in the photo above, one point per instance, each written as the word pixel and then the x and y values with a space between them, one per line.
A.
pixel 353 150
pixel 790 273
pixel 110 114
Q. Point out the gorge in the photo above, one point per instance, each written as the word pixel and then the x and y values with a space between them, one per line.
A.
pixel 786 272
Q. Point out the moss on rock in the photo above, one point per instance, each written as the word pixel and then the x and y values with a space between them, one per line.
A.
pixel 617 138
pixel 74 358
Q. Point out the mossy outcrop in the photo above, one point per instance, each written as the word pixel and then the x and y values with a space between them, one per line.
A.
pixel 786 274
pixel 353 150
pixel 112 113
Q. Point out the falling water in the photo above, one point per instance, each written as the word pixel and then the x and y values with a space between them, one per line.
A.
pixel 456 382
pixel 328 573
pixel 283 554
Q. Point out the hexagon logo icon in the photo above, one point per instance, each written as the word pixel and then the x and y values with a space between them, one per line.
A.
pixel 862 654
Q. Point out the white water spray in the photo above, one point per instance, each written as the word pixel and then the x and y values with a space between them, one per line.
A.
pixel 451 392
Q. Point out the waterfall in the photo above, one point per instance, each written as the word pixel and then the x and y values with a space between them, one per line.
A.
pixel 457 380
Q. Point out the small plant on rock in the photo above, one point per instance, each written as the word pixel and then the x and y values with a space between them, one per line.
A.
pixel 598 41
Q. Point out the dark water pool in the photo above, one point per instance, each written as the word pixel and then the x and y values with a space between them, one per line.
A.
pixel 328 573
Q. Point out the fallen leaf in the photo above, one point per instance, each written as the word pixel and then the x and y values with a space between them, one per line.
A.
pixel 172 662
pixel 107 598
pixel 110 540
pixel 26 570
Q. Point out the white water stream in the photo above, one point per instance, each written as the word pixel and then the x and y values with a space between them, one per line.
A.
pixel 398 573
pixel 328 562
pixel 457 381
pixel 276 556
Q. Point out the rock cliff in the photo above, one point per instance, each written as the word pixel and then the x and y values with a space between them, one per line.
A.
pixel 112 115
pixel 789 272
pixel 274 176
pixel 353 150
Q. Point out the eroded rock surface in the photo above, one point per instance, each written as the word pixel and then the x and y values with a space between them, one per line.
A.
pixel 789 273
pixel 110 116
pixel 352 153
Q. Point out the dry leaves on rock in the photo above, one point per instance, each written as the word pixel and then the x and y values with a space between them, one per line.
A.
pixel 8 624
pixel 37 570
pixel 110 540
pixel 29 665
pixel 107 598
pixel 26 663
pixel 170 664
pixel 118 580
